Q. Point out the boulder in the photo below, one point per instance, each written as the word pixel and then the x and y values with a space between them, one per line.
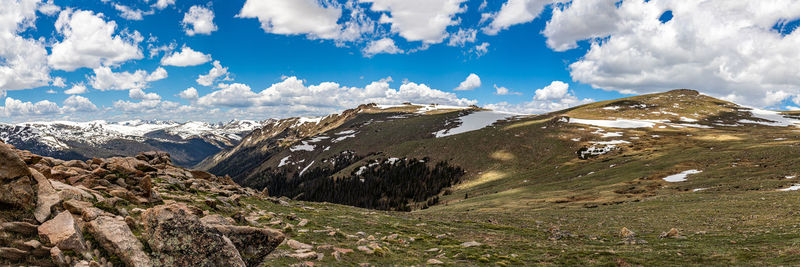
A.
pixel 71 192
pixel 178 238
pixel 62 231
pixel 58 257
pixel 294 244
pixel 76 164
pixel 16 185
pixel 76 206
pixel 116 237
pixel 213 219
pixel 46 197
pixel 254 244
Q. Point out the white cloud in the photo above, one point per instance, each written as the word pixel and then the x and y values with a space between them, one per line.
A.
pixel 462 37
pixel 59 82
pixel 49 8
pixel 294 17
pixel 556 90
pixel 189 94
pixel 129 13
pixel 553 97
pixel 139 94
pixel 186 57
pixel 146 106
pixel 472 82
pixel 480 49
pixel 76 89
pixel 76 103
pixel 216 72
pixel 199 20
pixel 385 46
pixel 724 48
pixel 161 4
pixel 23 61
pixel 419 20
pixel 89 41
pixel 105 79
pixel 154 50
pixel 329 96
pixel 515 12
pixel 14 107
pixel 499 90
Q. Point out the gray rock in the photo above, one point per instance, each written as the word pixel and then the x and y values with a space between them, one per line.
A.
pixel 115 237
pixel 254 244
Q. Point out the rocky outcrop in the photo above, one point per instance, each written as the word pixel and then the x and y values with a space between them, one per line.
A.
pixel 102 212
pixel 16 185
pixel 178 238
pixel 116 237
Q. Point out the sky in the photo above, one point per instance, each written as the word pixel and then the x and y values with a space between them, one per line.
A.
pixel 256 59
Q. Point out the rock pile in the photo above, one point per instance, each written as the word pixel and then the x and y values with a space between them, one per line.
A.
pixel 107 212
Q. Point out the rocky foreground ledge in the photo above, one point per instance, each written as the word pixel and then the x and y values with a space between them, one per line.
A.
pixel 109 212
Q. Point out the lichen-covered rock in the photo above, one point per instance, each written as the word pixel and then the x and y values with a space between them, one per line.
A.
pixel 254 244
pixel 62 231
pixel 178 238
pixel 116 237
pixel 127 165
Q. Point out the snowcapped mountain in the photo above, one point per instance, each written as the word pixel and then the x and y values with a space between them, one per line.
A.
pixel 188 142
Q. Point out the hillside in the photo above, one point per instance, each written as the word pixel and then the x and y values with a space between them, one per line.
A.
pixel 675 179
pixel 188 142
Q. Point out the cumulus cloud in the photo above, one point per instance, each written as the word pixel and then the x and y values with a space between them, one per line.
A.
pixel 382 46
pixel 481 49
pixel 199 20
pixel 500 90
pixel 76 89
pixel 292 17
pixel 139 94
pixel 515 12
pixel 161 4
pixel 23 61
pixel 89 41
pixel 105 79
pixel 189 94
pixel 462 37
pixel 724 48
pixel 186 57
pixel 556 90
pixel 59 82
pixel 76 103
pixel 130 13
pixel 213 75
pixel 14 107
pixel 553 97
pixel 49 8
pixel 472 82
pixel 421 20
pixel 292 92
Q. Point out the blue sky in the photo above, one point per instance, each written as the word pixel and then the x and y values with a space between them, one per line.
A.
pixel 315 57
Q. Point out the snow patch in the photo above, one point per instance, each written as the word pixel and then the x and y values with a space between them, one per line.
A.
pixel 680 177
pixel 773 118
pixel 475 121
pixel 284 161
pixel 304 147
pixel 619 123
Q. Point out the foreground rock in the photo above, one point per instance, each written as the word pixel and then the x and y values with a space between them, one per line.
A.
pixel 16 185
pixel 63 232
pixel 178 238
pixel 254 244
pixel 116 237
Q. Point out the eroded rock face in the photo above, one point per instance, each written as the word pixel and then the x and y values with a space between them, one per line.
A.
pixel 62 231
pixel 116 237
pixel 16 185
pixel 178 238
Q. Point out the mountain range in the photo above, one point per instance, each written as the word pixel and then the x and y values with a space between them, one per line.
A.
pixel 188 142
pixel 675 178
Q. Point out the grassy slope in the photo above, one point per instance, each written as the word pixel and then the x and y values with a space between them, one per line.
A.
pixel 524 179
